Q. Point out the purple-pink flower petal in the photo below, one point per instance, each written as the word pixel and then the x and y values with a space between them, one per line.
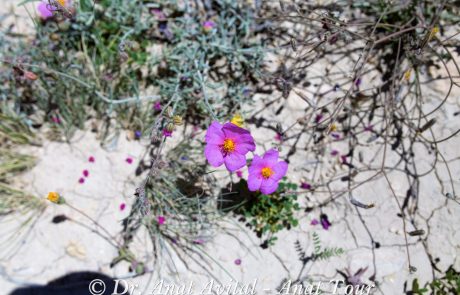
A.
pixel 254 183
pixel 280 170
pixel 268 186
pixel 271 156
pixel 215 135
pixel 234 161
pixel 213 155
pixel 45 13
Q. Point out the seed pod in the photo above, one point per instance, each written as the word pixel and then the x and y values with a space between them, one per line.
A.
pixel 30 76
pixel 427 125
pixel 169 112
pixel 170 127
pixel 294 44
pixel 177 120
pixel 361 205
pixel 418 232
pixel 134 46
pixel 55 37
pixel 123 56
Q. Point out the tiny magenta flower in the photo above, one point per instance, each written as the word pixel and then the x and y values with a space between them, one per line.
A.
pixel 208 25
pixel 56 119
pixel 278 137
pixel 91 159
pixel 369 128
pixel 238 261
pixel 318 118
pixel 161 220
pixel 335 135
pixel 157 106
pixel 314 221
pixel 265 173
pixel 325 221
pixel 167 133
pixel 85 173
pixel 305 185
pixel 81 180
pixel 334 152
pixel 239 173
pixel 228 144
pixel 122 206
pixel 43 10
pixel 129 160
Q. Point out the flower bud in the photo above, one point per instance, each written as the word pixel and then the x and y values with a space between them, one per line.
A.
pixel 30 76
pixel 170 127
pixel 177 120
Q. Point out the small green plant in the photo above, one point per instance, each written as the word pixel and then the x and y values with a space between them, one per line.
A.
pixel 269 214
pixel 321 253
pixel 448 284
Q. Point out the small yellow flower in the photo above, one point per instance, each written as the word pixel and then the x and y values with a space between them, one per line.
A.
pixel 433 32
pixel 407 75
pixel 177 120
pixel 170 127
pixel 62 2
pixel 53 197
pixel 238 120
pixel 333 127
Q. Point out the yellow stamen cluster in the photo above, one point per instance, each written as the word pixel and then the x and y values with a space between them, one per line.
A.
pixel 407 75
pixel 229 145
pixel 266 172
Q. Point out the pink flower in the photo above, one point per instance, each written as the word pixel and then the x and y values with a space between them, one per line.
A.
pixel 335 135
pixel 198 241
pixel 314 221
pixel 85 173
pixel 91 159
pixel 157 106
pixel 56 119
pixel 325 221
pixel 208 25
pixel 161 220
pixel 238 261
pixel 81 180
pixel 369 128
pixel 44 12
pixel 265 173
pixel 305 185
pixel 278 137
pixel 334 152
pixel 239 173
pixel 318 118
pixel 167 133
pixel 122 206
pixel 228 144
pixel 129 160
